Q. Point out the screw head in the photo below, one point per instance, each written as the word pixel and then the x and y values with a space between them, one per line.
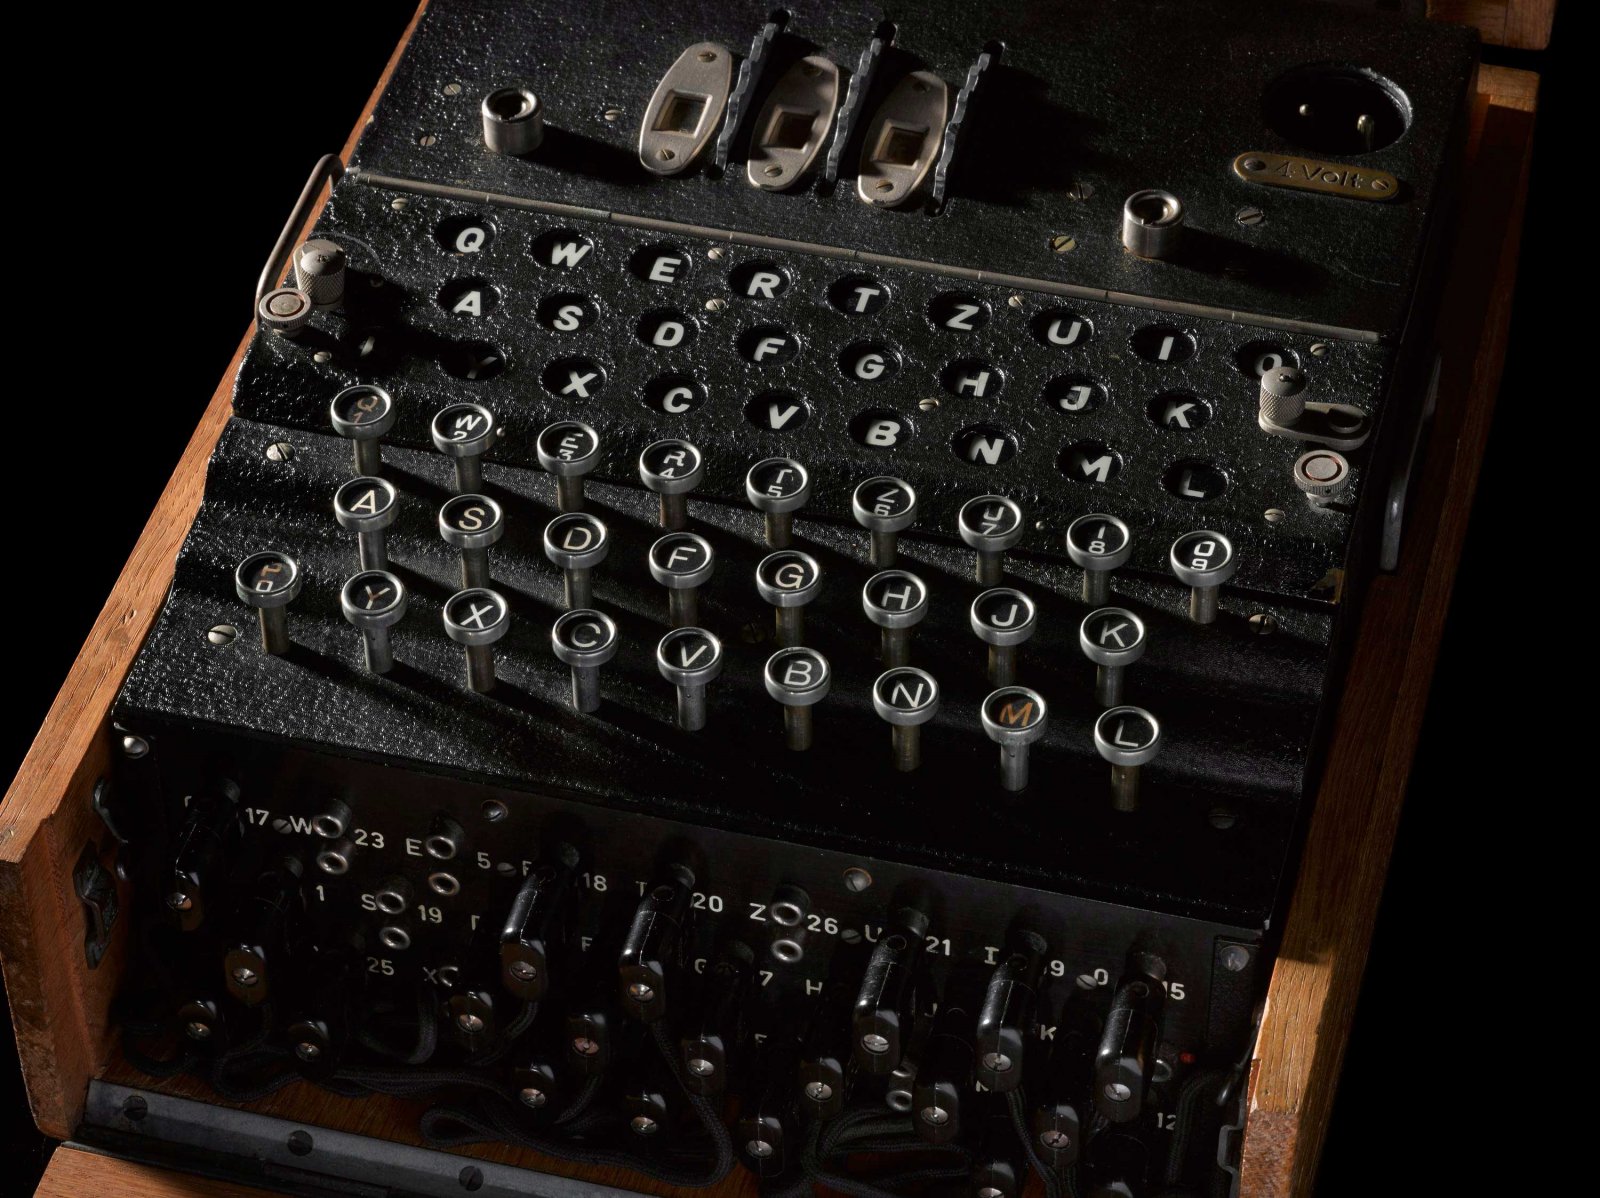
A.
pixel 280 451
pixel 452 89
pixel 1235 957
pixel 996 1062
pixel 245 976
pixel 399 203
pixel 934 1116
pixel 1250 216
pixel 640 992
pixel 585 1047
pixel 469 1023
pixel 134 747
pixel 179 901
pixel 819 1091
pixel 612 115
pixel 759 1148
pixel 196 1030
pixel 1118 1092
pixel 1319 350
pixel 530 1097
pixel 1263 624
pixel 1081 192
pixel 523 971
pixel 875 1044
pixel 643 1125
pixel 308 1051
pixel 1062 243
pixel 856 879
pixel 1055 1140
pixel 701 1067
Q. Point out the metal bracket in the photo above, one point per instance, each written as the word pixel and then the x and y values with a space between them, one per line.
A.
pixel 97 891
pixel 329 169
pixel 248 1148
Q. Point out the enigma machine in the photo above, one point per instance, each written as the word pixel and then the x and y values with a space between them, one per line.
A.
pixel 775 606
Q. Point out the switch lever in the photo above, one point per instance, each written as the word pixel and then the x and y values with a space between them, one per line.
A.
pixel 884 1015
pixel 653 948
pixel 534 925
pixel 1006 1017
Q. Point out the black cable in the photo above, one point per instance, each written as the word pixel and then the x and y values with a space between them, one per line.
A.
pixel 591 1087
pixel 1055 1184
pixel 1185 1112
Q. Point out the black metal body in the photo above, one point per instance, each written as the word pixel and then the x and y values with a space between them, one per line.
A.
pixel 1093 96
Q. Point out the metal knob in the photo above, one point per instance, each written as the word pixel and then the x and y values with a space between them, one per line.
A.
pixel 885 507
pixel 465 432
pixel 906 699
pixel 778 487
pixel 1014 717
pixel 1127 737
pixel 789 579
pixel 363 414
pixel 584 639
pixel 472 523
pixel 690 659
pixel 284 311
pixel 319 271
pixel 1283 395
pixel 576 542
pixel 1099 544
pixel 477 618
pixel 513 121
pixel 672 468
pixel 268 581
pixel 1003 618
pixel 1321 474
pixel 375 601
pixel 367 506
pixel 570 450
pixel 1113 638
pixel 798 678
pixel 682 562
pixel 1203 561
pixel 1152 223
pixel 896 601
pixel 991 524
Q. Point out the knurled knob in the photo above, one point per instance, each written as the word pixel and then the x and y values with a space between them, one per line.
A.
pixel 1283 395
pixel 319 271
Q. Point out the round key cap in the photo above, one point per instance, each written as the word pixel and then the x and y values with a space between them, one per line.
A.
pixel 472 523
pixel 1099 544
pixel 778 487
pixel 570 450
pixel 1003 618
pixel 885 507
pixel 906 699
pixel 368 506
pixel 991 524
pixel 363 414
pixel 798 678
pixel 1014 717
pixel 375 601
pixel 477 618
pixel 577 543
pixel 1127 737
pixel 672 468
pixel 268 581
pixel 789 579
pixel 1203 561
pixel 584 639
pixel 1113 638
pixel 690 659
pixel 465 432
pixel 896 601
pixel 682 562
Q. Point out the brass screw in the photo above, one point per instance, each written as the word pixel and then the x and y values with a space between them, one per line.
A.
pixel 1062 243
pixel 716 253
pixel 452 89
pixel 399 203
pixel 1014 302
pixel 1320 350
pixel 427 139
pixel 612 114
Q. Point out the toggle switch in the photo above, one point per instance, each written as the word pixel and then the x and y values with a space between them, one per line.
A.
pixel 652 951
pixel 777 488
pixel 906 699
pixel 1113 638
pixel 268 581
pixel 570 450
pixel 363 415
pixel 260 945
pixel 1003 618
pixel 1203 561
pixel 534 926
pixel 1014 717
pixel 201 858
pixel 584 639
pixel 682 562
pixel 1127 737
pixel 1099 544
pixel 789 579
pixel 1282 396
pixel 464 432
pixel 513 121
pixel 885 507
pixel 991 524
pixel 367 506
pixel 885 1010
pixel 713 1029
pixel 375 601
pixel 1152 223
pixel 690 659
pixel 1007 1015
pixel 472 523
pixel 319 271
pixel 284 311
pixel 1125 1061
pixel 576 543
pixel 798 678
pixel 477 618
pixel 672 468
pixel 1320 475
pixel 896 601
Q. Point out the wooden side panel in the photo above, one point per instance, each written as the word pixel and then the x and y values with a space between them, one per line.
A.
pixel 1317 977
pixel 58 1004
pixel 1519 24
pixel 77 1173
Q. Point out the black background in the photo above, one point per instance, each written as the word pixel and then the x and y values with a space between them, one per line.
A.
pixel 154 185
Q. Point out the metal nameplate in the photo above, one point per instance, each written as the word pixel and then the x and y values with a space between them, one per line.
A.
pixel 1315 174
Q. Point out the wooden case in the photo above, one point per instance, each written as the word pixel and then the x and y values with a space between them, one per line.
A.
pixel 61 1006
